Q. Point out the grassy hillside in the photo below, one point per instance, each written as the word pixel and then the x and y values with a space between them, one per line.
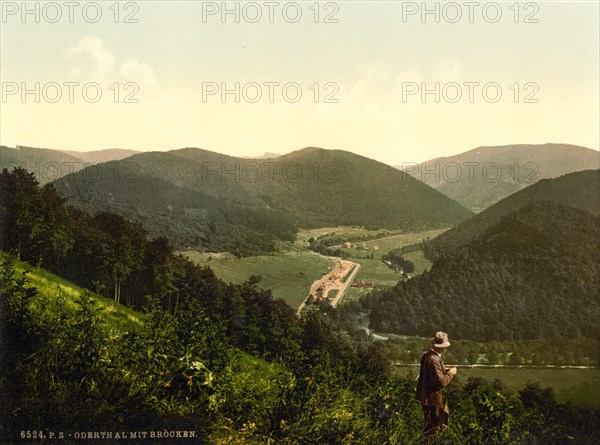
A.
pixel 208 201
pixel 485 175
pixel 54 288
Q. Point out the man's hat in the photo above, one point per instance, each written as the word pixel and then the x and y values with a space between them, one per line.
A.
pixel 440 340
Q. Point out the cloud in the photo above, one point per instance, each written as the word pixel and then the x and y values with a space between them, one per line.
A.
pixel 138 72
pixel 94 61
pixel 100 60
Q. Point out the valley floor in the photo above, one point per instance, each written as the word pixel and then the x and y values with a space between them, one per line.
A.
pixel 292 271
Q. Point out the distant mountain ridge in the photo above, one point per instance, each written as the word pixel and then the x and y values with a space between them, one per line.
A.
pixel 483 176
pixel 49 164
pixel 109 154
pixel 209 200
pixel 265 155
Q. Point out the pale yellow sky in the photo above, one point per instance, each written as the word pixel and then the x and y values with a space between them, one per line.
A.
pixel 394 81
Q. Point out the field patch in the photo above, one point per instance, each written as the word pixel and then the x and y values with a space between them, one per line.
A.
pixel 289 274
pixel 579 386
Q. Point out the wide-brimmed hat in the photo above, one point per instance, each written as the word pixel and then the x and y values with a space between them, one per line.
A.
pixel 440 340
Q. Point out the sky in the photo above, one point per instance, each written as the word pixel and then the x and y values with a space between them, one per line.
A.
pixel 391 80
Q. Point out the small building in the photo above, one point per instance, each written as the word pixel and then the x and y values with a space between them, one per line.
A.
pixel 363 284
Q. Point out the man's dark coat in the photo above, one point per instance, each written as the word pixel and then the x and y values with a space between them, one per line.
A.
pixel 433 377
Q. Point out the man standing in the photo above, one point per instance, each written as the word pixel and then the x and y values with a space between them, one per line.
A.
pixel 433 377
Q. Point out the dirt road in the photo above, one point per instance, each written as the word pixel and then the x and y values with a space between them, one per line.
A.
pixel 338 279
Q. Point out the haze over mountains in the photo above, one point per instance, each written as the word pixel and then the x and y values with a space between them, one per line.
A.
pixel 208 200
pixel 483 176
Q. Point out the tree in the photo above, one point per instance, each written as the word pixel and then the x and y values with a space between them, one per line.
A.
pixel 376 362
pixel 55 239
pixel 20 202
pixel 492 357
pixel 515 359
pixel 122 248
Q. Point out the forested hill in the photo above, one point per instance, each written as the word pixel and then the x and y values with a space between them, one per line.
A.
pixel 344 188
pixel 208 200
pixel 533 274
pixel 483 176
pixel 580 190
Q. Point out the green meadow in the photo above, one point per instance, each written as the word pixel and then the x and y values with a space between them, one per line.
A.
pixel 389 242
pixel 288 273
pixel 381 246
pixel 580 386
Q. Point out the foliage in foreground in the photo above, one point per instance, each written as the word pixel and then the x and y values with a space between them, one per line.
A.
pixel 180 371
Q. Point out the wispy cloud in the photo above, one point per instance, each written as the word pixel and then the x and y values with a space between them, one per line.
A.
pixel 93 60
pixel 138 72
